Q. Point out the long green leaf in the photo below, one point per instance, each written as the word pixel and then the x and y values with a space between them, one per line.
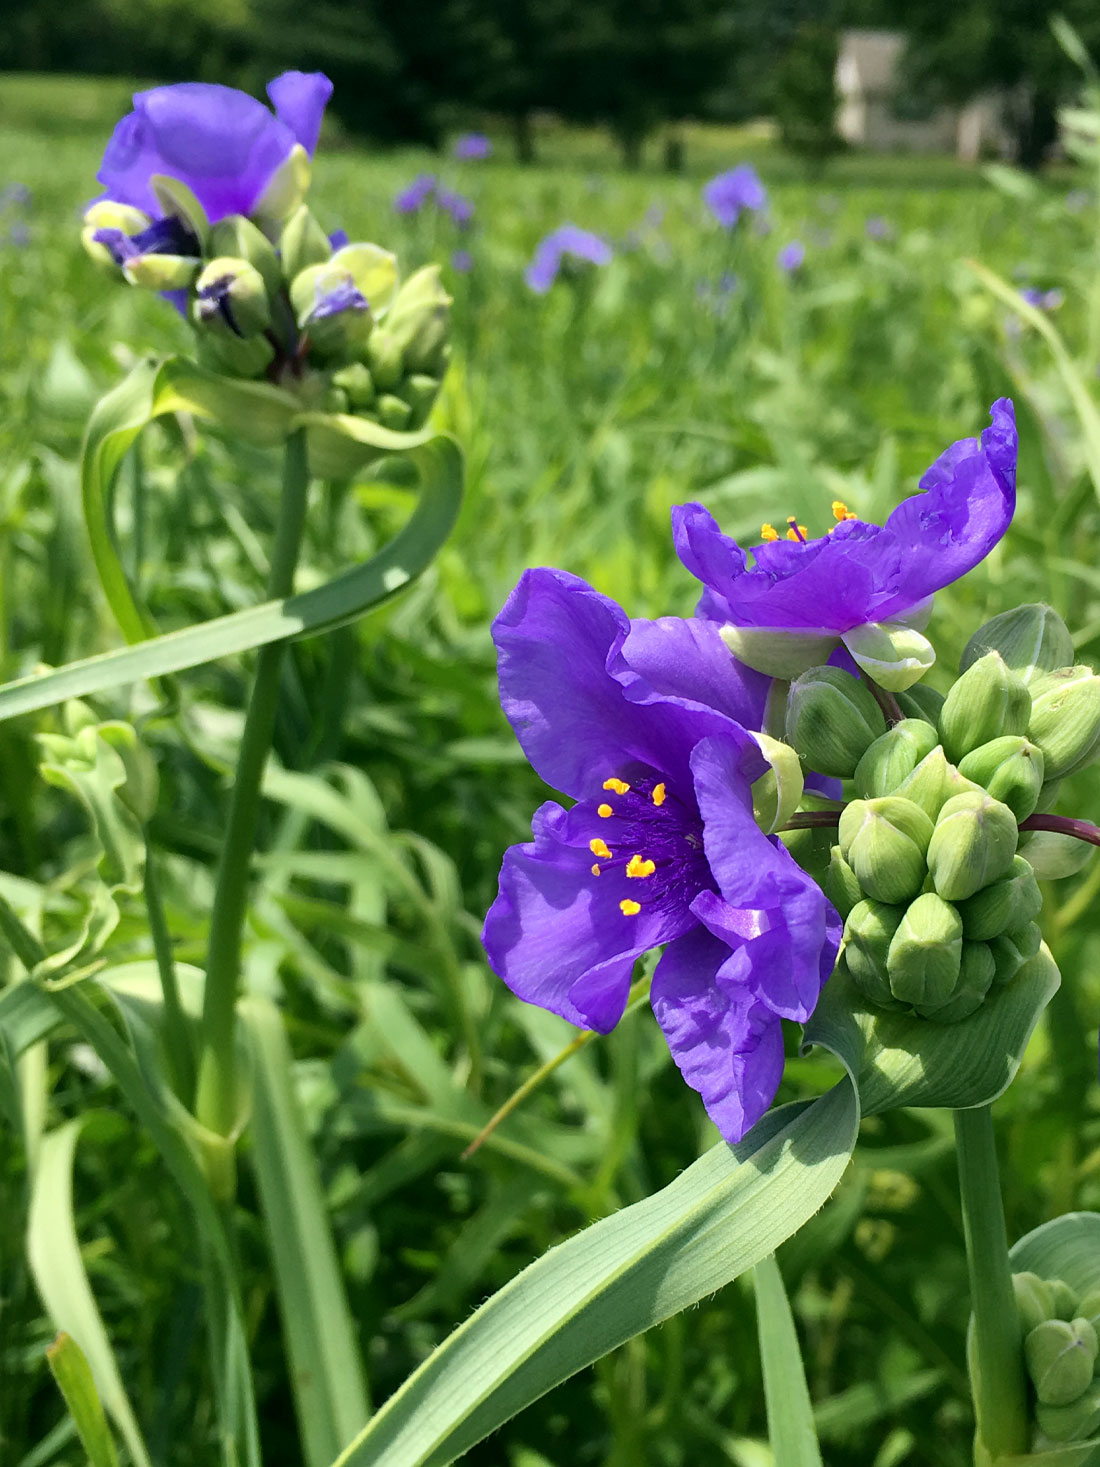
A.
pixel 790 1413
pixel 343 599
pixel 75 1382
pixel 326 1371
pixel 53 1251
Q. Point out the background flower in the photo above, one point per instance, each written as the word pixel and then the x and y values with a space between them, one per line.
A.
pixel 728 193
pixel 567 240
pixel 472 145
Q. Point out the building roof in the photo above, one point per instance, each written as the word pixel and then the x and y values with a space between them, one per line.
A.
pixel 869 58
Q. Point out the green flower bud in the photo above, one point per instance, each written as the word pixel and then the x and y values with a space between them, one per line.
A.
pixel 302 243
pixel 987 702
pixel 229 356
pixel 921 701
pixel 1088 1307
pixel 1052 856
pixel 384 360
pixel 1034 1303
pixel 926 952
pixel 1063 1299
pixel 355 379
pixel 832 720
pixel 894 756
pixel 420 321
pixel 884 842
pixel 972 845
pixel 894 654
pixel 239 238
pixel 421 393
pixel 1011 769
pixel 1073 1423
pixel 868 932
pixel 1065 719
pixel 1011 902
pixel 105 214
pixel 231 299
pixel 1011 950
pixel 335 400
pixel 976 972
pixel 1032 640
pixel 776 794
pixel 840 883
pixel 392 412
pixel 1060 1356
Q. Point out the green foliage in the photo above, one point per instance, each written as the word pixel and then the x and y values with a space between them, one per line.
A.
pixel 805 94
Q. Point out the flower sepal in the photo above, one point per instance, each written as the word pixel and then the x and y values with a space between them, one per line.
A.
pixel 894 654
pixel 778 791
pixel 239 238
pixel 302 243
pixel 285 190
pixel 177 201
pixel 779 651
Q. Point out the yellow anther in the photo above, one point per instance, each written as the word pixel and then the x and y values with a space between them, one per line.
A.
pixel 604 812
pixel 769 532
pixel 595 870
pixel 851 515
pixel 840 510
pixel 629 908
pixel 638 866
pixel 658 796
pixel 600 848
pixel 796 532
pixel 620 786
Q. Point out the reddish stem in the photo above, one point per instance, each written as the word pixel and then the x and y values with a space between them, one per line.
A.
pixel 1064 825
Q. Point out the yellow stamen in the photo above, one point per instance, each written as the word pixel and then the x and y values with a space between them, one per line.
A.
pixel 620 786
pixel 637 866
pixel 796 532
pixel 851 516
pixel 595 870
pixel 658 796
pixel 769 532
pixel 600 848
pixel 840 510
pixel 605 812
pixel 629 908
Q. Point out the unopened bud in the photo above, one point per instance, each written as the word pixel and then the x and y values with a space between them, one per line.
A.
pixel 1088 1307
pixel 108 216
pixel 893 757
pixel 1011 902
pixel 231 298
pixel 239 238
pixel 420 321
pixel 302 243
pixel 1032 640
pixel 1012 949
pixel 384 360
pixel 393 412
pixel 841 885
pixel 832 719
pixel 987 702
pixel 976 972
pixel 355 379
pixel 884 842
pixel 1060 1356
pixel 1076 1422
pixel 155 271
pixel 895 655
pixel 230 356
pixel 1011 769
pixel 1063 1299
pixel 926 952
pixel 1065 719
pixel 921 701
pixel 421 393
pixel 1033 1299
pixel 868 931
pixel 972 845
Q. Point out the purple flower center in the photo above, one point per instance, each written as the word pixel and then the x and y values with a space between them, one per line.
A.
pixel 653 839
pixel 213 301
pixel 169 236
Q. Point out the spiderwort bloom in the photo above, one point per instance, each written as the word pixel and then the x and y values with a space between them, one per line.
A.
pixel 412 199
pixel 566 243
pixel 728 193
pixel 472 145
pixel 791 257
pixel 224 145
pixel 643 724
pixel 802 595
pixel 459 207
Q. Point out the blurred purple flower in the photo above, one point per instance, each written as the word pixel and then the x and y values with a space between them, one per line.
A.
pixel 568 240
pixel 728 193
pixel 791 257
pixel 19 235
pixel 17 195
pixel 1042 300
pixel 410 199
pixel 462 262
pixel 471 145
pixel 455 204
pixel 879 228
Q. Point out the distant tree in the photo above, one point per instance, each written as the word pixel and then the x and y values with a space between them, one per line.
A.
pixel 805 96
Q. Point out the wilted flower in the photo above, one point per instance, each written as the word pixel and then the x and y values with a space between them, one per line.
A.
pixel 791 257
pixel 814 591
pixel 728 193
pixel 643 724
pixel 224 145
pixel 471 145
pixel 567 241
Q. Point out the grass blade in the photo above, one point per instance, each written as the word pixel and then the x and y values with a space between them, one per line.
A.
pixel 74 1381
pixel 790 1412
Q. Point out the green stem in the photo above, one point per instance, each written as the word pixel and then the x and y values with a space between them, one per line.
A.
pixel 998 1359
pixel 216 1097
pixel 176 1033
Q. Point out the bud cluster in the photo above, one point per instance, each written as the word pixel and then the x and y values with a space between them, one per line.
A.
pixel 930 870
pixel 1062 1355
pixel 274 298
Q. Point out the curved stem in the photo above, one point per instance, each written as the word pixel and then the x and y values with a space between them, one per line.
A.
pixel 176 1032
pixel 813 819
pixel 1064 825
pixel 998 1358
pixel 216 1096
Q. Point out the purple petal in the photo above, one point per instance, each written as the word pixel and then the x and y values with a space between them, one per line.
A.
pixel 687 659
pixel 727 1046
pixel 299 99
pixel 555 933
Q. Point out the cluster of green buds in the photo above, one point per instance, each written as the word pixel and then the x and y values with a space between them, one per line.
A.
pixel 931 871
pixel 274 298
pixel 1062 1356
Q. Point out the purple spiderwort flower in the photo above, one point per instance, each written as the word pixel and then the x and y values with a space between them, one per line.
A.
pixel 411 199
pixel 472 145
pixel 162 237
pixel 459 207
pixel 879 228
pixel 462 262
pixel 728 193
pixel 861 573
pixel 791 257
pixel 223 144
pixel 567 240
pixel 643 724
pixel 1043 300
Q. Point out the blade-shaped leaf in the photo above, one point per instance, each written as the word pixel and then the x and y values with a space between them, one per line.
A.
pixel 74 1380
pixel 790 1414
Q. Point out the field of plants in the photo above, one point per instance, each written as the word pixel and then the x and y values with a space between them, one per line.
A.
pixel 694 365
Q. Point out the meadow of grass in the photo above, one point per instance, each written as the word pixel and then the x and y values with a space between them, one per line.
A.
pixel 691 367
